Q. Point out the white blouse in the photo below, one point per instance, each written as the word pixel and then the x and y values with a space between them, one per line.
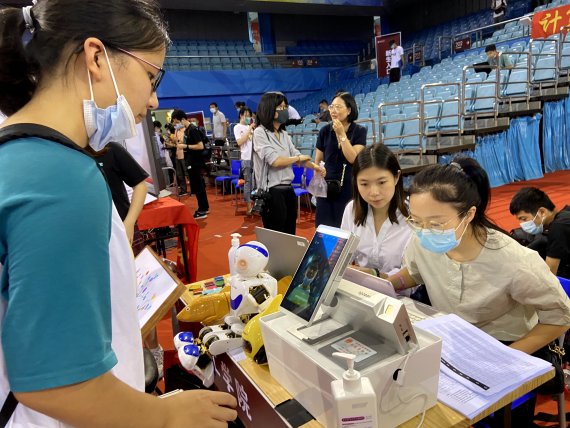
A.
pixel 383 251
pixel 505 291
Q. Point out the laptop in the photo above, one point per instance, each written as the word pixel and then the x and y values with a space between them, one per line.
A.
pixel 285 251
pixel 482 67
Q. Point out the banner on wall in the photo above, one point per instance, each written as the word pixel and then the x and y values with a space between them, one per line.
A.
pixel 383 55
pixel 548 22
pixel 377 26
pixel 253 28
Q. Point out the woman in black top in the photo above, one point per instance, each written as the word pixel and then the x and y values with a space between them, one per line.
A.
pixel 338 144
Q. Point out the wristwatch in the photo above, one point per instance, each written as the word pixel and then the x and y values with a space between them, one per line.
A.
pixel 342 139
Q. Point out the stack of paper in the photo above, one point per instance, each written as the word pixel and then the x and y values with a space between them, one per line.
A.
pixel 476 369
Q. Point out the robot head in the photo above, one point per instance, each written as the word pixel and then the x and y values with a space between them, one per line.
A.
pixel 251 259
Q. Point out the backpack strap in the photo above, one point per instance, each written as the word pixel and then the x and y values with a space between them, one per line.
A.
pixel 10 133
pixel 26 130
pixel 8 409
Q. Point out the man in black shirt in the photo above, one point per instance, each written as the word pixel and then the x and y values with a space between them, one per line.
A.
pixel 194 148
pixel 536 212
pixel 120 169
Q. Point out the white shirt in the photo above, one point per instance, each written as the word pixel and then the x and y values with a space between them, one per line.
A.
pixel 496 6
pixel 505 291
pixel 218 121
pixel 245 148
pixel 293 114
pixel 395 57
pixel 383 251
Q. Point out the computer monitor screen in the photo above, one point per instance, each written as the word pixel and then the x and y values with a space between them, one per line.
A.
pixel 318 272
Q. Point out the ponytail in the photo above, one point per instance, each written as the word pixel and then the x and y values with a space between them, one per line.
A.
pixel 17 82
pixel 40 39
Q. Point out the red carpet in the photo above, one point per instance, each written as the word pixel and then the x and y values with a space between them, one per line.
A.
pixel 222 221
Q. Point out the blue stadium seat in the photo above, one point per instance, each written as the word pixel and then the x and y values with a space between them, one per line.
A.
pixel 449 109
pixel 545 69
pixel 517 84
pixel 482 102
pixel 411 132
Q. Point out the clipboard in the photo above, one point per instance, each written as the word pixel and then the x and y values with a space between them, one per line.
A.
pixel 158 288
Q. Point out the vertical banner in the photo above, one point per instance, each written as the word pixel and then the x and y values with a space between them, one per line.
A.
pixel 383 55
pixel 253 29
pixel 377 27
pixel 550 21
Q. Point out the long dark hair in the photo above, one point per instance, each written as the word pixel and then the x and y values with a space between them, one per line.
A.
pixel 464 184
pixel 267 107
pixel 60 28
pixel 379 156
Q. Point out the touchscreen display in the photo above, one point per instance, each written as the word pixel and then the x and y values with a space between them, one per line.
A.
pixel 313 275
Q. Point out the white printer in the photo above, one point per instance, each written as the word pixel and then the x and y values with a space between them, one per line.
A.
pixel 337 315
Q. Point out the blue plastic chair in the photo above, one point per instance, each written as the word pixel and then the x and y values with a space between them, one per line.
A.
pixel 299 184
pixel 235 167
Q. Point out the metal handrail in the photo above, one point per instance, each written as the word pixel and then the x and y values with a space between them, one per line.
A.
pixel 498 24
pixel 528 74
pixel 416 47
pixel 563 34
pixel 538 55
pixel 423 102
pixel 381 107
pixel 439 39
pixel 495 97
pixel 478 32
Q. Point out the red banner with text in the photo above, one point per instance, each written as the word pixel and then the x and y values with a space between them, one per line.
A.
pixel 550 21
pixel 383 55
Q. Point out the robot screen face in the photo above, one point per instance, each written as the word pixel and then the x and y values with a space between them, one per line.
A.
pixel 251 259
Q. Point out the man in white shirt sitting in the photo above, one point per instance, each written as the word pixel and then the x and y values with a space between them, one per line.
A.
pixel 396 61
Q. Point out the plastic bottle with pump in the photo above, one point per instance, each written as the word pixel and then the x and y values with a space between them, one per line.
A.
pixel 355 402
pixel 232 252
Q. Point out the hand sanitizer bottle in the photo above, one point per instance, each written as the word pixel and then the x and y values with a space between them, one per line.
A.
pixel 355 401
pixel 232 252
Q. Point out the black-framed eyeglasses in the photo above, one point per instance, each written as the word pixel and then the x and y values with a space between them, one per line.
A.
pixel 159 75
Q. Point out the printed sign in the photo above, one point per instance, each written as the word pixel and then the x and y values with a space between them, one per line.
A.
pixel 462 45
pixel 383 55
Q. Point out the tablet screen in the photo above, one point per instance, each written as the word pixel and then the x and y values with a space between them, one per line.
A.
pixel 313 276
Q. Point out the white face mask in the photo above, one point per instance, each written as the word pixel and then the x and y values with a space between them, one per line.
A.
pixel 531 227
pixel 212 110
pixel 114 123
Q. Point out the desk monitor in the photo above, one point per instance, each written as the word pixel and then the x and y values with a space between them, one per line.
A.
pixel 285 251
pixel 319 273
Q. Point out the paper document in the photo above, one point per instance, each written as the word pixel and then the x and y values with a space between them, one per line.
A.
pixel 147 200
pixel 476 369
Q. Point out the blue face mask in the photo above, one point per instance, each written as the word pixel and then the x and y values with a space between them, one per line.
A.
pixel 178 126
pixel 247 121
pixel 114 123
pixel 440 242
pixel 531 227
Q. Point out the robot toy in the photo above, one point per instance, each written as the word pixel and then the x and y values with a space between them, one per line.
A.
pixel 251 292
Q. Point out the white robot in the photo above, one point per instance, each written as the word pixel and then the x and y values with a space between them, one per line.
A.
pixel 252 290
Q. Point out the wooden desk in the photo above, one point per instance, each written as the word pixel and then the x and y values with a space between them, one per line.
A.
pixel 263 393
pixel 439 416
